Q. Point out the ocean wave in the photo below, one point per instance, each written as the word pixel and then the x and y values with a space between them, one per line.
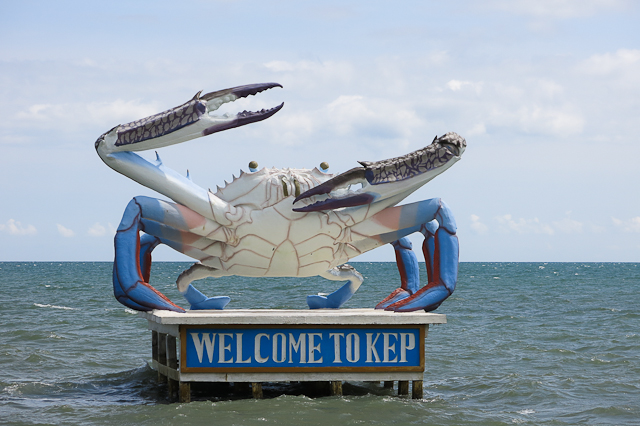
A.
pixel 40 305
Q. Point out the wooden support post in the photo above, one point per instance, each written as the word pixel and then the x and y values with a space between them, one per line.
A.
pixel 172 362
pixel 162 355
pixel 416 389
pixel 403 387
pixel 336 388
pixel 256 390
pixel 154 345
pixel 240 387
pixel 388 383
pixel 184 392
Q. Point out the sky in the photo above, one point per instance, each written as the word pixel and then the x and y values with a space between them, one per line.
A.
pixel 546 94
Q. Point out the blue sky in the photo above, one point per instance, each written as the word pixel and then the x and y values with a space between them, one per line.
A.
pixel 546 93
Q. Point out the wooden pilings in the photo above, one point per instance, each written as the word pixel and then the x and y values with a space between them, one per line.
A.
pixel 256 390
pixel 164 353
pixel 336 388
pixel 403 387
pixel 417 391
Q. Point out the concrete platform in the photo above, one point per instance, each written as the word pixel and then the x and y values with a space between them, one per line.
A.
pixel 271 345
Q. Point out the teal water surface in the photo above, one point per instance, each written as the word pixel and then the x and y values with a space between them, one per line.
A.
pixel 525 343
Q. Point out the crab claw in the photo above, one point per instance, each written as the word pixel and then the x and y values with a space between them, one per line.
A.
pixel 190 120
pixel 384 180
pixel 338 191
pixel 215 99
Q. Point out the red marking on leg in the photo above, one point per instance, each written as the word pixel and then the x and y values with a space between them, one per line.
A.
pixel 389 218
pixel 147 270
pixel 191 218
pixel 138 254
pixel 165 298
pixel 188 238
pixel 143 279
pixel 427 259
pixel 392 295
pixel 436 261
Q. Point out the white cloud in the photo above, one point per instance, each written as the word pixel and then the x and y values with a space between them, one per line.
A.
pixel 349 116
pixel 535 106
pixel 631 225
pixel 14 227
pixel 371 117
pixel 568 225
pixel 98 230
pixel 458 85
pixel 65 232
pixel 100 114
pixel 312 73
pixel 478 226
pixel 560 9
pixel 608 63
pixel 523 226
pixel 542 119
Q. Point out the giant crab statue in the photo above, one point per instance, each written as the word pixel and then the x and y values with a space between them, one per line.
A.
pixel 276 222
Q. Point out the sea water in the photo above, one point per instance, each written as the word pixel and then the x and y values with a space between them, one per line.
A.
pixel 525 343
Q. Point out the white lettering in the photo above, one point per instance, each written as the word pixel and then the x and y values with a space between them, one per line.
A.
pixel 313 349
pixel 371 350
pixel 353 347
pixel 223 348
pixel 283 347
pixel 299 346
pixel 200 343
pixel 256 351
pixel 239 359
pixel 389 348
pixel 407 342
pixel 336 346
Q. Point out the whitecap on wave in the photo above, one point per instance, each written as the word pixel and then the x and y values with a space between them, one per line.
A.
pixel 40 305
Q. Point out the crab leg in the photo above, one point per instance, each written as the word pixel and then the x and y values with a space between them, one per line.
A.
pixel 441 251
pixel 407 263
pixel 434 220
pixel 442 271
pixel 132 265
pixel 341 295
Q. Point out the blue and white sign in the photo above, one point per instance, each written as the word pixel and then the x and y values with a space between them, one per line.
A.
pixel 302 349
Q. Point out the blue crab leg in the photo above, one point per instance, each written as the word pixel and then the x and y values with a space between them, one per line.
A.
pixel 407 263
pixel 442 267
pixel 434 219
pixel 130 283
pixel 172 224
pixel 429 246
pixel 341 295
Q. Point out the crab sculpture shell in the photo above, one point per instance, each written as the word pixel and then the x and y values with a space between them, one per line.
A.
pixel 277 222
